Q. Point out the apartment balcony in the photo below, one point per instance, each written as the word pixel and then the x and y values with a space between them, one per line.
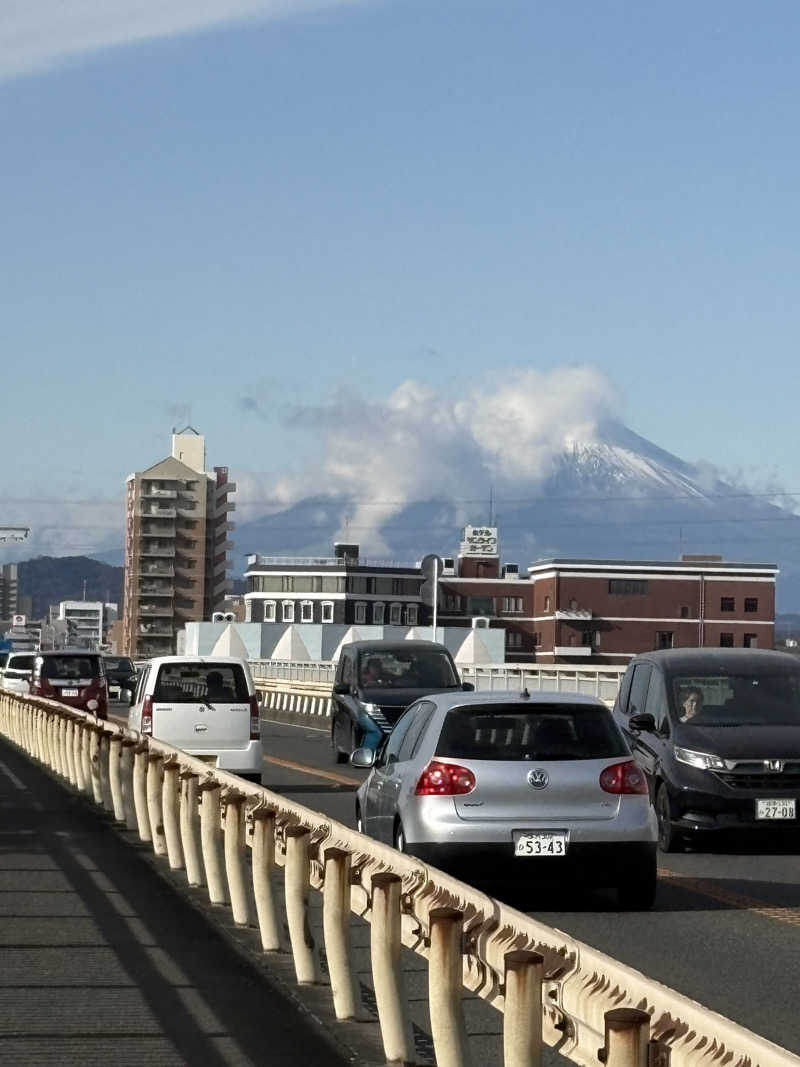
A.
pixel 154 511
pixel 154 629
pixel 159 551
pixel 576 614
pixel 225 505
pixel 154 648
pixel 166 590
pixel 157 570
pixel 165 532
pixel 159 494
pixel 164 610
pixel 573 651
pixel 225 545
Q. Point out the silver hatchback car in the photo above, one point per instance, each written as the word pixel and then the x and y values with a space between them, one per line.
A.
pixel 507 787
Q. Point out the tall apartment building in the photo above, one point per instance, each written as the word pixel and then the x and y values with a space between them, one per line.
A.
pixel 9 590
pixel 176 546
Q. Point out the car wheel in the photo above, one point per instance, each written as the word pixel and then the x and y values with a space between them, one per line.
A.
pixel 339 756
pixel 399 837
pixel 669 839
pixel 637 892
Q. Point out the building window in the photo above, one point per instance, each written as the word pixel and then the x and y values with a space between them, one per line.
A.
pixel 395 614
pixel 287 583
pixel 590 638
pixel 727 603
pixel 513 640
pixel 751 603
pixel 269 611
pixel 684 611
pixel 411 615
pixel 306 611
pixel 452 602
pixel 547 604
pixel 573 605
pixel 287 611
pixel 665 639
pixel 512 603
pixel 627 587
pixel 360 613
pixel 726 640
pixel 327 611
pixel 537 639
pixel 480 605
pixel 751 640
pixel 378 614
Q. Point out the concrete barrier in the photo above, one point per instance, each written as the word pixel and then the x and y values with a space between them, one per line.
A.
pixel 550 987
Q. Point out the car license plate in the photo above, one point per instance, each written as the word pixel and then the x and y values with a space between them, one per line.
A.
pixel 776 809
pixel 114 691
pixel 542 843
pixel 70 692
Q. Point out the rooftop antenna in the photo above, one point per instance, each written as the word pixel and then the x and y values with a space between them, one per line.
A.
pixel 491 505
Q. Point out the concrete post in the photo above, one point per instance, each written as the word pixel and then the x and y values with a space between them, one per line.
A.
pixel 155 783
pixel 336 928
pixel 234 858
pixel 94 759
pixel 105 782
pixel 190 829
pixel 68 751
pixel 387 969
pixel 522 1018
pixel 140 794
pixel 61 746
pixel 263 860
pixel 115 777
pixel 297 874
pixel 126 784
pixel 211 842
pixel 86 757
pixel 171 810
pixel 77 756
pixel 445 979
pixel 627 1037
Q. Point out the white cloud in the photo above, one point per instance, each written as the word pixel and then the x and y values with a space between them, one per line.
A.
pixel 421 443
pixel 37 34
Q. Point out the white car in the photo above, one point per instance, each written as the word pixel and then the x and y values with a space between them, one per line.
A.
pixel 205 705
pixel 16 672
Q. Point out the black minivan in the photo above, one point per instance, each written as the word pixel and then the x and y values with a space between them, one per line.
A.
pixel 376 681
pixel 717 732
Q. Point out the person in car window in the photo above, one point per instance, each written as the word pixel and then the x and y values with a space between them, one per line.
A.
pixel 215 687
pixel 691 703
pixel 371 673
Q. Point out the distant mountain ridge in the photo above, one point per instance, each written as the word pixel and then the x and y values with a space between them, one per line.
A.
pixel 50 579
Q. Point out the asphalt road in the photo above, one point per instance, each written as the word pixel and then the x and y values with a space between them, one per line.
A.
pixel 725 929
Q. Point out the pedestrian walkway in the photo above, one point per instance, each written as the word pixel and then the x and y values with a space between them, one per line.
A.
pixel 103 963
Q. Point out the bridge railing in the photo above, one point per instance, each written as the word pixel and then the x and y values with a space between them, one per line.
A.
pixel 237 839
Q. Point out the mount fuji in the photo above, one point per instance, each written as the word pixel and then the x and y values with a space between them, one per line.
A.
pixel 613 496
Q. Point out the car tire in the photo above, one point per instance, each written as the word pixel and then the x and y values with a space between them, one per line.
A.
pixel 637 892
pixel 339 756
pixel 399 837
pixel 669 838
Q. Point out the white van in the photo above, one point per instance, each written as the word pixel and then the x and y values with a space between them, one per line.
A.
pixel 205 705
pixel 15 674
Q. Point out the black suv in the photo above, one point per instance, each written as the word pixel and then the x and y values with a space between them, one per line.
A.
pixel 121 676
pixel 717 732
pixel 376 680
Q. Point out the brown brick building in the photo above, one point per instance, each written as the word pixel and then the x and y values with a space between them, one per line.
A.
pixel 605 611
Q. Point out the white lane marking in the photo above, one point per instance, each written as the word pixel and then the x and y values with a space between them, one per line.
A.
pixel 297 726
pixel 13 778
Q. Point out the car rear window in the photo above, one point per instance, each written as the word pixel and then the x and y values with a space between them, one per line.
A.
pixel 187 683
pixel 118 664
pixel 71 667
pixel 20 663
pixel 544 732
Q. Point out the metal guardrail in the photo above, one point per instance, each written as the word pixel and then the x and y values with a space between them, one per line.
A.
pixel 548 986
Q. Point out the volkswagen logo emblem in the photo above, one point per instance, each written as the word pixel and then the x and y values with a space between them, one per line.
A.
pixel 538 778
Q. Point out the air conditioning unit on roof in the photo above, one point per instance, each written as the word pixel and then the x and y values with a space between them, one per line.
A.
pixel 480 622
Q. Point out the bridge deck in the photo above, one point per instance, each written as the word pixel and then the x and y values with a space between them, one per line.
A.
pixel 104 963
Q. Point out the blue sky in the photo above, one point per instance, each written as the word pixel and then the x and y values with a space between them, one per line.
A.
pixel 235 222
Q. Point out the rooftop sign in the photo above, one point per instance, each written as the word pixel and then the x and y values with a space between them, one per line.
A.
pixel 479 541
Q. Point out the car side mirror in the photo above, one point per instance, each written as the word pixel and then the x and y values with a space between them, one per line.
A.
pixel 363 758
pixel 341 689
pixel 468 687
pixel 131 697
pixel 643 722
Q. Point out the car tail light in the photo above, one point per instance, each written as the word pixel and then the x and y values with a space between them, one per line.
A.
pixel 147 716
pixel 255 719
pixel 623 778
pixel 445 780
